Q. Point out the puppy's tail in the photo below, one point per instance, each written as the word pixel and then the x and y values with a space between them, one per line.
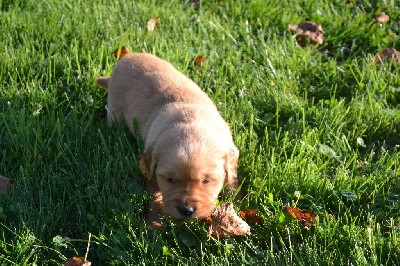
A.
pixel 103 82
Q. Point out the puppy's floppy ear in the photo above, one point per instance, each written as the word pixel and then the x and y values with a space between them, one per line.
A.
pixel 147 166
pixel 231 162
pixel 103 82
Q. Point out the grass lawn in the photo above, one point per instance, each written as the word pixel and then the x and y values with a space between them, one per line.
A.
pixel 317 127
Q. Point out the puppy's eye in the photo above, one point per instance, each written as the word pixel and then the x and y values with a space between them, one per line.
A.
pixel 206 181
pixel 170 180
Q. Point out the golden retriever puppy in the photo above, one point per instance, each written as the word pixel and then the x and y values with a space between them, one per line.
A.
pixel 189 155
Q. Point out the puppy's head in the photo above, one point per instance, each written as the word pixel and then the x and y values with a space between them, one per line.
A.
pixel 190 175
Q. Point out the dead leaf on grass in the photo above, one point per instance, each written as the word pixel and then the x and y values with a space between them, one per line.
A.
pixel 387 55
pixel 382 18
pixel 225 222
pixel 304 218
pixel 307 32
pixel 152 23
pixel 6 184
pixel 251 214
pixel 77 261
pixel 199 60
pixel 121 52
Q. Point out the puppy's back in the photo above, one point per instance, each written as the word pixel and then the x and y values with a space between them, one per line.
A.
pixel 141 84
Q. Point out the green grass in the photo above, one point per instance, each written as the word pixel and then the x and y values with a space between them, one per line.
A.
pixel 318 127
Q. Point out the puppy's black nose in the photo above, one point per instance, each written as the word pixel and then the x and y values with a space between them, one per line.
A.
pixel 185 210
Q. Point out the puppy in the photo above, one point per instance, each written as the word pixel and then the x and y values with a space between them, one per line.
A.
pixel 189 155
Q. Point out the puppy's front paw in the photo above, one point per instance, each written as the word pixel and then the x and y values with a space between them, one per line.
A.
pixel 153 219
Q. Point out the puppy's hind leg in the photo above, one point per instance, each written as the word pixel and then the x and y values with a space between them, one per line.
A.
pixel 114 116
pixel 102 82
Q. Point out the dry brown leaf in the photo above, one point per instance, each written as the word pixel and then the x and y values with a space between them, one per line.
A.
pixel 77 261
pixel 306 219
pixel 5 185
pixel 225 222
pixel 386 55
pixel 307 32
pixel 199 60
pixel 251 214
pixel 119 53
pixel 152 23
pixel 382 18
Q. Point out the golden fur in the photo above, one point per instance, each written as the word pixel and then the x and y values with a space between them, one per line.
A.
pixel 189 154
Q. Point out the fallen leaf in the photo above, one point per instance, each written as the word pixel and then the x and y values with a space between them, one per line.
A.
pixel 6 184
pixel 251 214
pixel 77 261
pixel 225 222
pixel 306 219
pixel 199 60
pixel 121 52
pixel 382 18
pixel 152 23
pixel 307 32
pixel 386 55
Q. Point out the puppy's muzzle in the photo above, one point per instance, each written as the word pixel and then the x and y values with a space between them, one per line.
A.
pixel 185 210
